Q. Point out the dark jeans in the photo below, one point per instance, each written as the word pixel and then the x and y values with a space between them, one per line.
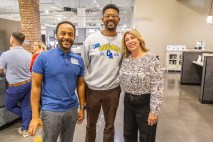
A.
pixel 109 100
pixel 19 94
pixel 136 112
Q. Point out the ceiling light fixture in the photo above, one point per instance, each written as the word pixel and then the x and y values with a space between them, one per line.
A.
pixel 210 17
pixel 46 11
pixel 59 18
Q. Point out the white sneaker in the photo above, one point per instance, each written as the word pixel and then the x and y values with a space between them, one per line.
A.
pixel 23 132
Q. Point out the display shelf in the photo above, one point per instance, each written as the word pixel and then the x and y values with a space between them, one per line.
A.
pixel 174 57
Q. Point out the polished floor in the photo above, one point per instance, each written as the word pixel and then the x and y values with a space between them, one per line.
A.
pixel 181 119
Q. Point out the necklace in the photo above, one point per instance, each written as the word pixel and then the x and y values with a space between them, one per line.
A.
pixel 115 34
pixel 109 38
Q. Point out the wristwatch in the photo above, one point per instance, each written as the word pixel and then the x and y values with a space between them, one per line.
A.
pixel 82 107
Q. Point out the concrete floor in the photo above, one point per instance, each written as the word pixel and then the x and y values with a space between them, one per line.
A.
pixel 182 118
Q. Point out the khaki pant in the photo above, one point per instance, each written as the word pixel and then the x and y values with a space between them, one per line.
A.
pixel 109 100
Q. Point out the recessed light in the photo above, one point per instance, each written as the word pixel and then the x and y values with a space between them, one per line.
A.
pixel 46 11
pixel 59 18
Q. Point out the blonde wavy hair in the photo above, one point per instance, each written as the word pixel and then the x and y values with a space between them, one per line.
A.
pixel 41 45
pixel 136 34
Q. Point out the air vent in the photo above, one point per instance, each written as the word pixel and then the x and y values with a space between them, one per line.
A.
pixel 74 10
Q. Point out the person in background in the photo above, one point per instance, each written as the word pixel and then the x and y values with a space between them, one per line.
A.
pixel 141 80
pixel 54 80
pixel 3 73
pixel 16 63
pixel 102 54
pixel 37 48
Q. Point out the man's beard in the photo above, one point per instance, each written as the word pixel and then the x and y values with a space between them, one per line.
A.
pixel 109 28
pixel 60 41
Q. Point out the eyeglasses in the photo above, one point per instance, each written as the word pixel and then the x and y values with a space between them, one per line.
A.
pixel 113 16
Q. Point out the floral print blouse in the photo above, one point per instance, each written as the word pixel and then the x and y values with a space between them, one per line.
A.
pixel 143 76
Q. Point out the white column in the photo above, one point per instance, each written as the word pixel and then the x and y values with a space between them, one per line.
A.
pixel 81 17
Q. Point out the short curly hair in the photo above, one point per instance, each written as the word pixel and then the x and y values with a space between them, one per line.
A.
pixel 110 6
pixel 65 22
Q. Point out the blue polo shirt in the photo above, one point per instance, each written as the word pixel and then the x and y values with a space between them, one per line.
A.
pixel 60 71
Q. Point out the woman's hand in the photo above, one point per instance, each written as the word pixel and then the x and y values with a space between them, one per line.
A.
pixel 152 119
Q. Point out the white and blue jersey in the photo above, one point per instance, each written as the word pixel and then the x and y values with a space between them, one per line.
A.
pixel 102 56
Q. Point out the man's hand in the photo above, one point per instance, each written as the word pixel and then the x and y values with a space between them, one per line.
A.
pixel 80 116
pixel 33 125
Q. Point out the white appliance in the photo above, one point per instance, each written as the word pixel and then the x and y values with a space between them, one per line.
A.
pixel 174 57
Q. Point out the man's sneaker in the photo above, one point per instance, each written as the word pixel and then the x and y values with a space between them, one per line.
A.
pixel 23 132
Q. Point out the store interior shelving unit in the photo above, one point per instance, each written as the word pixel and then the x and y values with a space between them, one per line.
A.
pixel 174 57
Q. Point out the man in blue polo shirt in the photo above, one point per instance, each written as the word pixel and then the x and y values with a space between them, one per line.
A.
pixel 55 76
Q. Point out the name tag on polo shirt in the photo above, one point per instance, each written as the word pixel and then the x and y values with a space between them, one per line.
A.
pixel 74 61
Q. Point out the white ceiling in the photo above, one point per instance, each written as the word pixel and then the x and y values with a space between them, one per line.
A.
pixel 9 9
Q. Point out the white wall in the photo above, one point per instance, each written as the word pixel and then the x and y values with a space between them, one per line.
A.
pixel 163 22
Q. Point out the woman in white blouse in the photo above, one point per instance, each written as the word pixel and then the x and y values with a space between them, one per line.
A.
pixel 141 80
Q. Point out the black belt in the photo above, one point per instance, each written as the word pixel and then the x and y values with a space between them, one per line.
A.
pixel 132 97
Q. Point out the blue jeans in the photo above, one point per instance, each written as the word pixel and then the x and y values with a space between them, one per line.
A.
pixel 19 95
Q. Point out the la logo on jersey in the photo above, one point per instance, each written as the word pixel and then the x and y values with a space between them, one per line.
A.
pixel 109 50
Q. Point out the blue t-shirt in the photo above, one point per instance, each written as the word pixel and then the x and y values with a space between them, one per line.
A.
pixel 60 71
